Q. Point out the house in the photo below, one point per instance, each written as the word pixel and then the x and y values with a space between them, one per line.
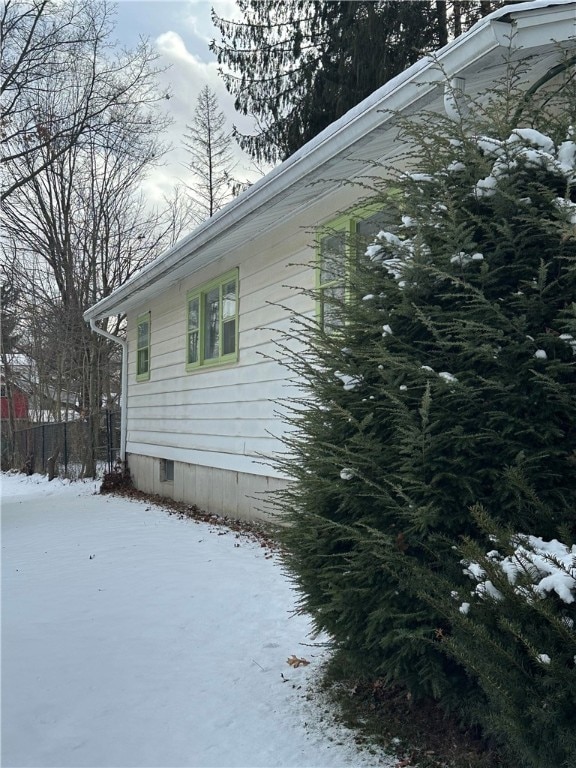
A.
pixel 201 378
pixel 15 399
pixel 14 410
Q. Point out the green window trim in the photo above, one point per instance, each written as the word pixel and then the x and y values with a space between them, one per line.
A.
pixel 143 347
pixel 212 323
pixel 340 239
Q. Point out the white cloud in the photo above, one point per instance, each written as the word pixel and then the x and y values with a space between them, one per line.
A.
pixel 189 67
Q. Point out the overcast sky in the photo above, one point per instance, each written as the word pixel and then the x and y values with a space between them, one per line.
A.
pixel 181 30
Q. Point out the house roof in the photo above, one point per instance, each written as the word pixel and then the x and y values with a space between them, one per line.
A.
pixel 364 133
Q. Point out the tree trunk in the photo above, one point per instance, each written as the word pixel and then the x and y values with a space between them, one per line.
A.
pixel 457 18
pixel 51 464
pixel 9 390
pixel 442 22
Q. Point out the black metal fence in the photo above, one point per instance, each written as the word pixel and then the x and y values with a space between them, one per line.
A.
pixel 69 448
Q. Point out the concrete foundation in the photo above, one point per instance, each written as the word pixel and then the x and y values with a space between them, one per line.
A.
pixel 237 495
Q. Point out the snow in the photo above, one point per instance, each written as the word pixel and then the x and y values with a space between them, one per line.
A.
pixel 132 637
pixel 462 258
pixel 531 147
pixel 475 571
pixel 486 187
pixel 567 156
pixel 349 382
pixel 489 145
pixel 532 136
pixel 569 339
pixel 568 207
pixel 540 354
pixel 550 566
pixel 420 177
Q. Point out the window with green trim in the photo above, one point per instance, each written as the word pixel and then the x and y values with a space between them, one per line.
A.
pixel 339 245
pixel 143 347
pixel 212 322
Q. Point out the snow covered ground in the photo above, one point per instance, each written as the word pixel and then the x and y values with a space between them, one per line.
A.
pixel 131 637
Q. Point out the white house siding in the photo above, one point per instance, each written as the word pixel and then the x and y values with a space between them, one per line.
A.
pixel 217 423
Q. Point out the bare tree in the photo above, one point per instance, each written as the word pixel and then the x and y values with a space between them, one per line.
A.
pixel 58 79
pixel 75 225
pixel 179 213
pixel 210 150
pixel 9 295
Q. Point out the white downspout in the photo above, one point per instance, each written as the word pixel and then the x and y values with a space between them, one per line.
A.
pixel 455 105
pixel 123 384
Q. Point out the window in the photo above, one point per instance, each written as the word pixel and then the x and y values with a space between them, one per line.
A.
pixel 166 471
pixel 339 245
pixel 212 331
pixel 143 347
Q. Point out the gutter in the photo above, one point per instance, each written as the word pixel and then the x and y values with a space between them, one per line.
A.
pixel 123 384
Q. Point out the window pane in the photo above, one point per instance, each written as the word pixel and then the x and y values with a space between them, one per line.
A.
pixel 229 300
pixel 367 229
pixel 142 361
pixel 143 334
pixel 166 470
pixel 378 221
pixel 331 298
pixel 212 324
pixel 193 312
pixel 193 347
pixel 229 337
pixel 333 262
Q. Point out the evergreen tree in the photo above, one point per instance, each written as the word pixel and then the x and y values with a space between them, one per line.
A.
pixel 210 149
pixel 449 383
pixel 298 65
pixel 513 630
pixel 9 295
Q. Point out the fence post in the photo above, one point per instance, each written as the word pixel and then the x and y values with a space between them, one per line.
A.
pixel 66 448
pixel 108 451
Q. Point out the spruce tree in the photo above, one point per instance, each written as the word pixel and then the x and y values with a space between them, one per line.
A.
pixel 513 630
pixel 298 65
pixel 449 383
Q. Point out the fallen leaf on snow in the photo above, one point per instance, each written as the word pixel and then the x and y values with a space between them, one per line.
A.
pixel 295 662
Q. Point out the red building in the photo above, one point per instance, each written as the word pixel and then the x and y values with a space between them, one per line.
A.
pixel 20 403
